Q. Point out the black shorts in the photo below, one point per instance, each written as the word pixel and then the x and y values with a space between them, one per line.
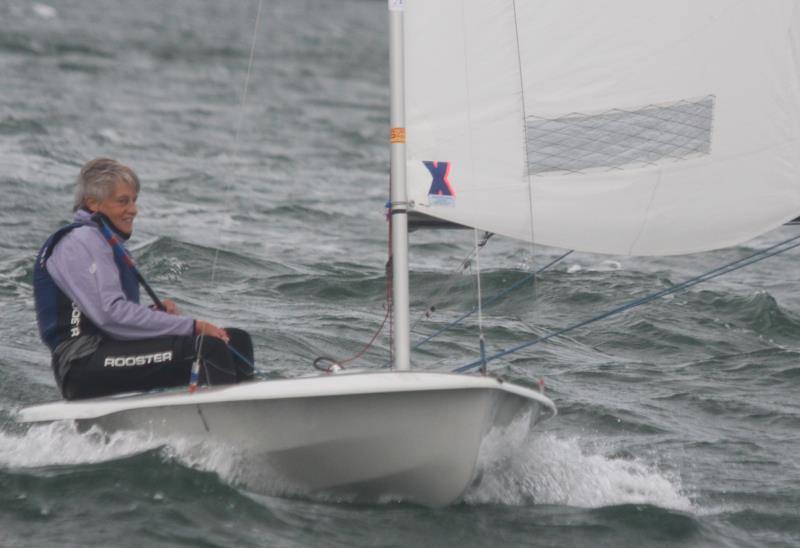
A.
pixel 130 366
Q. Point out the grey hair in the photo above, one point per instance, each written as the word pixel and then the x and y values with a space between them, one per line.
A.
pixel 98 178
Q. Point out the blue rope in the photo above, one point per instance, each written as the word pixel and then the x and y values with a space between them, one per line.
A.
pixel 730 267
pixel 239 354
pixel 490 301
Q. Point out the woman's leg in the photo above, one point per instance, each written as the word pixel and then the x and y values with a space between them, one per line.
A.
pixel 216 362
pixel 241 349
pixel 134 366
pixel 131 366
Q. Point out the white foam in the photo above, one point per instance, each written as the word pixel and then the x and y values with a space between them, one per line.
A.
pixel 110 135
pixel 604 266
pixel 60 443
pixel 545 469
pixel 223 460
pixel 44 11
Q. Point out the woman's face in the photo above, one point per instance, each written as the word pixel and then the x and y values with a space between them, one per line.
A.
pixel 120 207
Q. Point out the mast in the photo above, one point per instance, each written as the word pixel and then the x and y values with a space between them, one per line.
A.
pixel 399 205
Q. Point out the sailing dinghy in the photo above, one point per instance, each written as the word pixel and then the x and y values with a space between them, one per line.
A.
pixel 621 127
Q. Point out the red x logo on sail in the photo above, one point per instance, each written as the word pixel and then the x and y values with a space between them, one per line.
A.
pixel 441 192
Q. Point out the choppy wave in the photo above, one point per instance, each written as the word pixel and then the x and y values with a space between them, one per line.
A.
pixel 521 468
pixel 12 125
pixel 49 44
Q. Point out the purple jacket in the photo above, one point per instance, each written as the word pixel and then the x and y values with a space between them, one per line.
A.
pixel 82 266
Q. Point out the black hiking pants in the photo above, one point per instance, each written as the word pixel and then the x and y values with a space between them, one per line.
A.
pixel 133 366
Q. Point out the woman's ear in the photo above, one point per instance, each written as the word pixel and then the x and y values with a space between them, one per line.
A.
pixel 91 204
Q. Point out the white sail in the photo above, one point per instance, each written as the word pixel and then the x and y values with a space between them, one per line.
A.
pixel 623 127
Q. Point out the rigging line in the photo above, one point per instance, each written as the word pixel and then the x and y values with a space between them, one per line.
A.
pixel 195 372
pixel 240 120
pixel 387 305
pixel 464 263
pixel 491 300
pixel 390 277
pixel 369 344
pixel 479 295
pixel 719 271
pixel 388 301
pixel 481 338
pixel 453 277
pixel 240 356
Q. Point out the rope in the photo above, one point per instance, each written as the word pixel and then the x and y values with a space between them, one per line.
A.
pixel 491 300
pixel 122 254
pixel 240 119
pixel 369 344
pixel 337 364
pixel 390 278
pixel 388 302
pixel 194 375
pixel 719 271
pixel 446 289
pixel 481 339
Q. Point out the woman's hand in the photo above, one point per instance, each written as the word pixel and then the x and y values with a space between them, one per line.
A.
pixel 203 328
pixel 170 307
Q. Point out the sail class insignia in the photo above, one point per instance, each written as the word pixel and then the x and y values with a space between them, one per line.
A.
pixel 441 192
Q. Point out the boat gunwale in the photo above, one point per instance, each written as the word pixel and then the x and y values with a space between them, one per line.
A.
pixel 349 383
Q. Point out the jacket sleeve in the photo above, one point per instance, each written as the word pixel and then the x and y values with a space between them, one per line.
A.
pixel 83 267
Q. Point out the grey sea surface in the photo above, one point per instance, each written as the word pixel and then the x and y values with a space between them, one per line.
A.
pixel 678 421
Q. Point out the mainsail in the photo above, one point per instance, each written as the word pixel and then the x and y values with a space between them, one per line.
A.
pixel 622 127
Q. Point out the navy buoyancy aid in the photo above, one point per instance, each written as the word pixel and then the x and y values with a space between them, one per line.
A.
pixel 57 316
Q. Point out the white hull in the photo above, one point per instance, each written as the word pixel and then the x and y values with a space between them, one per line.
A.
pixel 404 435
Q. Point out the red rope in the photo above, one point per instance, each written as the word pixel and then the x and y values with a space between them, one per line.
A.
pixel 388 306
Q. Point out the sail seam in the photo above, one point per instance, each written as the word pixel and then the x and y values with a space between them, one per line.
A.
pixel 646 213
pixel 524 120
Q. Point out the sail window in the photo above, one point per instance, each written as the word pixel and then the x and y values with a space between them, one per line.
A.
pixel 619 139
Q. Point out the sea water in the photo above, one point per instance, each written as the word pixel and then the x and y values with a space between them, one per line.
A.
pixel 678 422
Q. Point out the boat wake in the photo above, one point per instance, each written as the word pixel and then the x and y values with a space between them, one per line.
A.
pixel 514 469
pixel 546 469
pixel 63 444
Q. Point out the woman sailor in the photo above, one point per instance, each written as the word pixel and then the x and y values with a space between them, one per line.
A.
pixel 103 341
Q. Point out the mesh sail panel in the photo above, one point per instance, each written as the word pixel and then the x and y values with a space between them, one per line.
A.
pixel 619 139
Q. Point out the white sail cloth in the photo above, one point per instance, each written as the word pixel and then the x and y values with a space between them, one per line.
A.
pixel 622 127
